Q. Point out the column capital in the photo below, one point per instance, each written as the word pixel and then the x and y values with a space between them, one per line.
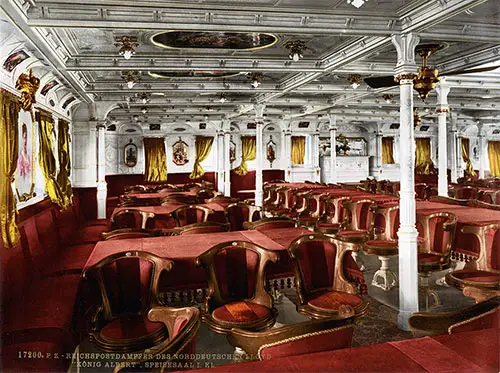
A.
pixel 442 91
pixel 480 127
pixel 405 47
pixel 332 118
pixel 259 110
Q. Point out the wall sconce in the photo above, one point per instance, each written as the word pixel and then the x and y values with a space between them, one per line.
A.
pixel 295 48
pixel 388 98
pixel 126 44
pixel 131 78
pixel 355 80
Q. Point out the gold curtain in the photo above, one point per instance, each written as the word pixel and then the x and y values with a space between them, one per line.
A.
pixel 298 149
pixel 248 153
pixel 9 150
pixel 387 150
pixel 64 163
pixel 47 160
pixel 469 169
pixel 156 160
pixel 203 146
pixel 423 161
pixel 494 157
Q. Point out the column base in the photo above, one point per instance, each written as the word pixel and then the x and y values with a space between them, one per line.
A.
pixel 403 317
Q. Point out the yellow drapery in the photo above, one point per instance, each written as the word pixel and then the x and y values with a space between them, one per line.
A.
pixel 9 150
pixel 203 146
pixel 469 169
pixel 423 161
pixel 64 162
pixel 494 157
pixel 298 149
pixel 156 160
pixel 387 150
pixel 248 153
pixel 47 160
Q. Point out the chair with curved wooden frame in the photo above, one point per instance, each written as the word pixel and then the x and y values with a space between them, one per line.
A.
pixel 437 238
pixel 335 216
pixel 322 288
pixel 280 204
pixel 136 189
pixel 315 209
pixel 239 213
pixel 128 283
pixel 182 325
pixel 465 192
pixel 191 214
pixel 237 296
pixel 222 200
pixel 296 339
pixel 484 272
pixel 480 316
pixel 205 194
pixel 179 198
pixel 270 223
pixel 124 233
pixel 361 214
pixel 384 246
pixel 202 228
pixel 130 218
pixel 421 191
pixel 133 201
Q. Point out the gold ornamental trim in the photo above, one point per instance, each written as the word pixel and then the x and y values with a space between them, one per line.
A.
pixel 408 76
pixel 27 84
pixel 443 110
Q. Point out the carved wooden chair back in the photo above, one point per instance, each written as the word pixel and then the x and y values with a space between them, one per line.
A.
pixel 191 214
pixel 131 218
pixel 438 233
pixel 238 213
pixel 388 219
pixel 335 212
pixel 124 233
pixel 421 191
pixel 271 223
pixel 361 214
pixel 236 271
pixel 202 228
pixel 136 189
pixel 488 237
pixel 205 194
pixel 318 265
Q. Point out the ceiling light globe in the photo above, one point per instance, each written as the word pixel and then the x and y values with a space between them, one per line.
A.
pixel 355 85
pixel 255 83
pixel 130 84
pixel 296 57
pixel 127 54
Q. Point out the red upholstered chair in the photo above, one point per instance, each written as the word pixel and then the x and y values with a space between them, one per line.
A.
pixel 223 200
pixel 421 191
pixel 130 218
pixel 315 208
pixel 322 289
pixel 205 194
pixel 480 316
pixel 134 201
pixel 182 325
pixel 436 240
pixel 466 192
pixel 486 196
pixel 280 205
pixel 128 285
pixel 136 189
pixel 179 198
pixel 236 287
pixel 385 245
pixel 270 198
pixel 484 272
pixel 334 218
pixel 202 228
pixel 239 213
pixel 270 223
pixel 185 215
pixel 362 220
pixel 296 339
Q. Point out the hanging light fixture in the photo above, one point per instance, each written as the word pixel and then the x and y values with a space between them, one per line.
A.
pixel 295 48
pixel 126 44
pixel 145 98
pixel 222 98
pixel 388 98
pixel 255 79
pixel 355 80
pixel 357 3
pixel 130 78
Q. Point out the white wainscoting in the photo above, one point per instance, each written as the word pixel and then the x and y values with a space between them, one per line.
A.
pixel 349 168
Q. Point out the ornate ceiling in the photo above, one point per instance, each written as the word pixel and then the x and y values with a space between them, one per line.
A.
pixel 213 46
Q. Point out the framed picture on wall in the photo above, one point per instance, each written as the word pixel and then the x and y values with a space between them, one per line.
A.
pixel 26 161
pixel 180 151
pixel 130 154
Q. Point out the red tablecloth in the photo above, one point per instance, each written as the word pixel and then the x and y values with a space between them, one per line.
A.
pixel 155 195
pixel 475 351
pixel 184 249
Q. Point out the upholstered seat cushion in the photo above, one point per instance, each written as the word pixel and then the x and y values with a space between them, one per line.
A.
pixel 332 300
pixel 131 327
pixel 429 258
pixel 328 225
pixel 381 247
pixel 353 233
pixel 241 312
pixel 477 276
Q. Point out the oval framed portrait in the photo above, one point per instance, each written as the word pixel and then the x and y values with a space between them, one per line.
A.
pixel 130 154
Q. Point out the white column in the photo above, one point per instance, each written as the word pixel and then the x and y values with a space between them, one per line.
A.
pixel 288 155
pixel 220 161
pixel 459 155
pixel 226 127
pixel 482 149
pixel 101 171
pixel 442 111
pixel 408 269
pixel 378 139
pixel 333 148
pixel 315 156
pixel 453 150
pixel 259 120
